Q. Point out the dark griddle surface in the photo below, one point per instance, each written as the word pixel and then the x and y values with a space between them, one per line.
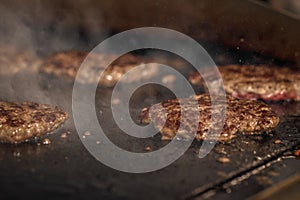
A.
pixel 65 169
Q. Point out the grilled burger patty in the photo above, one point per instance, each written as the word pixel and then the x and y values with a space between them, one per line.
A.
pixel 20 122
pixel 14 60
pixel 67 64
pixel 244 116
pixel 257 82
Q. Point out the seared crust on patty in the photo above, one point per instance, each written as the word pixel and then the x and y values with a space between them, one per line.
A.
pixel 244 116
pixel 66 64
pixel 257 82
pixel 20 122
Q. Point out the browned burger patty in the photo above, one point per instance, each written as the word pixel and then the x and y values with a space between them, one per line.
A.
pixel 66 64
pixel 257 82
pixel 20 122
pixel 14 60
pixel 244 116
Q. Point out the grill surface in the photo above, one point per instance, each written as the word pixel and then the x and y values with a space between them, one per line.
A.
pixel 65 170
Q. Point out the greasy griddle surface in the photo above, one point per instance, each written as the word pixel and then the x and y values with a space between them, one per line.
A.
pixel 65 169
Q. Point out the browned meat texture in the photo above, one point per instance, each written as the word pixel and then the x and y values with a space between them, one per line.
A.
pixel 257 82
pixel 66 64
pixel 14 60
pixel 244 116
pixel 20 122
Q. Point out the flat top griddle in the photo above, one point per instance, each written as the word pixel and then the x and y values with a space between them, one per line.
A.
pixel 66 170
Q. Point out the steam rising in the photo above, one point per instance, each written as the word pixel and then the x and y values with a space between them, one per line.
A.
pixel 40 28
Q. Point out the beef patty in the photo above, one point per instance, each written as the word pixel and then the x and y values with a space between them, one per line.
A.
pixel 66 64
pixel 14 60
pixel 257 82
pixel 244 116
pixel 20 122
